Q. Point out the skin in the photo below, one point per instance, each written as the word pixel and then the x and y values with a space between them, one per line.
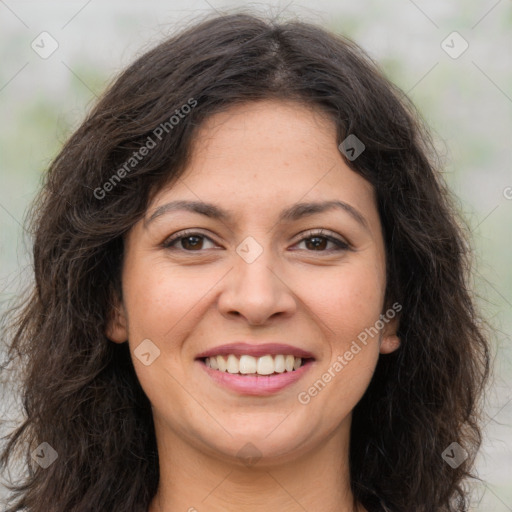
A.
pixel 254 160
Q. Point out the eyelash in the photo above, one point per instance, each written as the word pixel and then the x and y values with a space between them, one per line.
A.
pixel 341 245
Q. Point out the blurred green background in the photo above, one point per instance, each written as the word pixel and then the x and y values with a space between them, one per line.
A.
pixel 466 99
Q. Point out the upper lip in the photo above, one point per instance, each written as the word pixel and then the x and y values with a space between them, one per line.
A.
pixel 256 350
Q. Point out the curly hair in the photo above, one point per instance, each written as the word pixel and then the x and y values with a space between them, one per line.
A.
pixel 80 391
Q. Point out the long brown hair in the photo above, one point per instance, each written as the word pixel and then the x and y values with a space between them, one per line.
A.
pixel 80 392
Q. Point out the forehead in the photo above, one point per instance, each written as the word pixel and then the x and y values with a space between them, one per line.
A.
pixel 257 157
pixel 278 127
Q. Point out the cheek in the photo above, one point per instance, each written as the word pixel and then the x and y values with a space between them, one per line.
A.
pixel 348 304
pixel 347 299
pixel 349 309
pixel 161 297
pixel 164 303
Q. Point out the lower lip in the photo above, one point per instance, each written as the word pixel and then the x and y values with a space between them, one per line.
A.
pixel 262 385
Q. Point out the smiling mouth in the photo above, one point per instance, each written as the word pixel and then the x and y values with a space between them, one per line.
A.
pixel 267 365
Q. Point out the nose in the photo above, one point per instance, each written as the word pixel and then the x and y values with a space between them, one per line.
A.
pixel 257 291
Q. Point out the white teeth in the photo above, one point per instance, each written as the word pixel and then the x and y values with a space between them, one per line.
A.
pixel 213 363
pixel 279 363
pixel 221 363
pixel 265 365
pixel 232 365
pixel 247 364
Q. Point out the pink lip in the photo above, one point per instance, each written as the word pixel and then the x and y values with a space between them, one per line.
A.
pixel 259 350
pixel 262 385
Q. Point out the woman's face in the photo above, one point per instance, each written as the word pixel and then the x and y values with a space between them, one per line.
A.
pixel 257 277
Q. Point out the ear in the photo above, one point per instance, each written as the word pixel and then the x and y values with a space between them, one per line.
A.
pixel 116 328
pixel 389 341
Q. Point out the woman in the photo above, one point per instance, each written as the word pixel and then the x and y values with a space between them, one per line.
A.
pixel 250 292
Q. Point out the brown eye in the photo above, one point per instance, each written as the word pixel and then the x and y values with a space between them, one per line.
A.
pixel 186 241
pixel 318 242
pixel 191 242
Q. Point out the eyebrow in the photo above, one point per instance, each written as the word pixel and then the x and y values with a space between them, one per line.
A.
pixel 292 213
